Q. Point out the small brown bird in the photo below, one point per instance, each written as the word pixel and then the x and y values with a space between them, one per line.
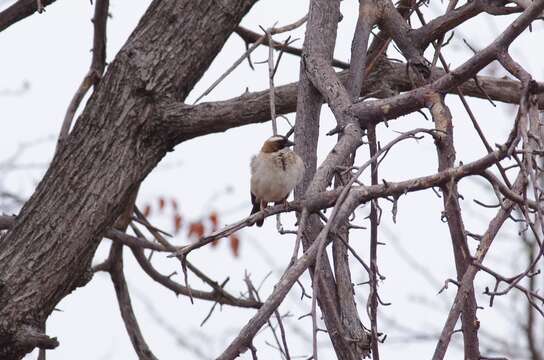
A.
pixel 275 172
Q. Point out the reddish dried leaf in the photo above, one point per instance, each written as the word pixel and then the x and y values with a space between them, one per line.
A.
pixel 178 221
pixel 174 204
pixel 235 245
pixel 197 229
pixel 147 210
pixel 214 219
pixel 161 203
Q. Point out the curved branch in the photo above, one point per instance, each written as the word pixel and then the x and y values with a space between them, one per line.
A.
pixel 125 304
pixel 180 289
pixel 98 64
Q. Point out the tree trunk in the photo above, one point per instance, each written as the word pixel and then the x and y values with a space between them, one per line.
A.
pixel 115 143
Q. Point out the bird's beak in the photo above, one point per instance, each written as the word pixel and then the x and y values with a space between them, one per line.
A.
pixel 290 143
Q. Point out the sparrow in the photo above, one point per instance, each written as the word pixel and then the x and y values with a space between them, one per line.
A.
pixel 275 171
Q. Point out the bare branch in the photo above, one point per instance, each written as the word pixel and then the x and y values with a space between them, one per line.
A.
pixel 446 159
pixel 250 49
pixel 184 122
pixel 98 64
pixel 20 10
pixel 125 305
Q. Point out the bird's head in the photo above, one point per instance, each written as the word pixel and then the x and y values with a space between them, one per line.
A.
pixel 276 143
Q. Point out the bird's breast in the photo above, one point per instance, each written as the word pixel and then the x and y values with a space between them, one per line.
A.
pixel 274 176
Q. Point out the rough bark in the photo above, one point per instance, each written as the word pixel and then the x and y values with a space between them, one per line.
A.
pixel 136 115
pixel 452 213
pixel 112 148
pixel 319 41
pixel 385 80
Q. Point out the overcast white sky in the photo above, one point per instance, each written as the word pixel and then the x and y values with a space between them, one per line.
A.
pixel 50 52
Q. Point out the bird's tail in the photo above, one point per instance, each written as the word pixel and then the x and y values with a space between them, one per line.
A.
pixel 256 208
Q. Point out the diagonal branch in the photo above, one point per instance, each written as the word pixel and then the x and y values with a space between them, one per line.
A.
pixel 20 10
pixel 112 148
pixel 466 283
pixel 439 26
pixel 98 64
pixel 114 265
pixel 183 290
pixel 252 37
pixel 391 108
pixel 258 41
pixel 125 304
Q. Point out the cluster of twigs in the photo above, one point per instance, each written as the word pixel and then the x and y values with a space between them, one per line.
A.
pixel 357 118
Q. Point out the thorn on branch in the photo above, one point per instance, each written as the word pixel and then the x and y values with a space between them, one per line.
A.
pixel 356 227
pixel 445 287
pixel 303 291
pixel 253 350
pixel 39 6
pixel 423 114
pixel 492 295
pixel 336 130
pixel 482 90
pixel 469 46
pixel 474 236
pixel 395 208
pixel 487 206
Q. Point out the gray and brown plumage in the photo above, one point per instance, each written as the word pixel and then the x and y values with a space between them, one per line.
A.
pixel 275 172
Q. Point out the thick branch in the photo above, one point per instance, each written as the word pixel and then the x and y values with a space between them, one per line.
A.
pixel 436 28
pixel 439 26
pixel 391 108
pixel 452 212
pixel 20 10
pixel 184 122
pixel 111 149
pixel 368 16
pixel 319 43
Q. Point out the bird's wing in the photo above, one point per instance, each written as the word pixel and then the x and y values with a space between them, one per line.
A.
pixel 253 164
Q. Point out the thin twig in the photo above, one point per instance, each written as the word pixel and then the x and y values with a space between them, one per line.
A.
pixel 93 76
pixel 256 44
pixel 272 90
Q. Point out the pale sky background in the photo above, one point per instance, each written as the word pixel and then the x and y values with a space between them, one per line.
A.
pixel 50 52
